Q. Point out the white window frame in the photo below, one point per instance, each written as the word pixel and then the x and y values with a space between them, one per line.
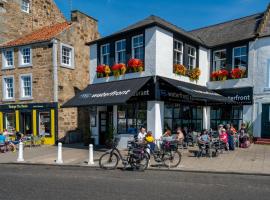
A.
pixel 141 46
pixel 4 59
pixel 120 51
pixel 104 54
pixel 25 4
pixel 22 96
pixel 189 55
pixel 21 63
pixel 4 89
pixel 233 66
pixel 178 51
pixel 72 56
pixel 220 50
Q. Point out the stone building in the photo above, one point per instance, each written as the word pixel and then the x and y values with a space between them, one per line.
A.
pixel 40 71
pixel 19 17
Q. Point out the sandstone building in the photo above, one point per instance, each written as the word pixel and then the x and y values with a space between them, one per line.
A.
pixel 43 68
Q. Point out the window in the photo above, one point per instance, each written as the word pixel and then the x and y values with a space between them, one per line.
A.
pixel 138 47
pixel 26 86
pixel 191 57
pixel 219 59
pixel 9 121
pixel 120 51
pixel 25 57
pixel 8 59
pixel 25 6
pixel 105 54
pixel 178 115
pixel 8 88
pixel 226 114
pixel 44 124
pixel 177 52
pixel 240 57
pixel 67 56
pixel 131 117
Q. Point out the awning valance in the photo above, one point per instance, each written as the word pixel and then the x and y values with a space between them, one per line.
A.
pixel 108 93
pixel 197 92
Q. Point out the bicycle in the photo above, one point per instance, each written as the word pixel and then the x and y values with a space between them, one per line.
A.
pixel 137 158
pixel 168 154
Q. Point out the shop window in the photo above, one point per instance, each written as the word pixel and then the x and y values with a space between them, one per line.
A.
pixel 131 117
pixel 225 115
pixel 44 124
pixel 10 121
pixel 177 115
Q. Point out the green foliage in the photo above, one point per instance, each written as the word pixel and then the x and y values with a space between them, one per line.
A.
pixel 249 128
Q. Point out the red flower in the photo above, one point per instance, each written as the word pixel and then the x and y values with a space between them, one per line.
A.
pixel 135 63
pixel 101 69
pixel 214 75
pixel 237 73
pixel 223 72
pixel 117 67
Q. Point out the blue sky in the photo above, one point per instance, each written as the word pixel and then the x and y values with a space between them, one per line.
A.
pixel 188 14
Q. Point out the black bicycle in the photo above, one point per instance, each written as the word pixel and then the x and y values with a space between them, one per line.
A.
pixel 167 154
pixel 137 158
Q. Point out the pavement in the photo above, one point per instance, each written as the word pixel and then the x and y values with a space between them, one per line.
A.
pixel 253 160
pixel 20 182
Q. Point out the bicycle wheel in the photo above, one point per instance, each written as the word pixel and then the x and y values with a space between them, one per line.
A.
pixel 140 163
pixel 108 161
pixel 172 159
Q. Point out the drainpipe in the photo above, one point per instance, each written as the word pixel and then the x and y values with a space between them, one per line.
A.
pixel 55 73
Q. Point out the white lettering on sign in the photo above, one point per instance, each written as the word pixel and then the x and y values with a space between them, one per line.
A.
pixel 104 94
pixel 240 98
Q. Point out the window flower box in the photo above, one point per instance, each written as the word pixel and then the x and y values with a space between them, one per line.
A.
pixel 135 65
pixel 220 75
pixel 119 69
pixel 238 73
pixel 193 74
pixel 103 70
pixel 180 69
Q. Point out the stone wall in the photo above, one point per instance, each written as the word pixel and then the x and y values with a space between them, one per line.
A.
pixel 15 23
pixel 42 76
pixel 83 29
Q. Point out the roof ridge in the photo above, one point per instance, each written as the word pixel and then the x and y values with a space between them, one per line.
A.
pixel 225 22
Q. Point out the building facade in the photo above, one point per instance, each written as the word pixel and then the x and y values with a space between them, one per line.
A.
pixel 40 71
pixel 158 84
pixel 19 17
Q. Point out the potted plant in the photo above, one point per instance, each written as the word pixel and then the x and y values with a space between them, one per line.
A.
pixel 194 74
pixel 180 69
pixel 249 129
pixel 107 71
pixel 119 69
pixel 136 65
pixel 237 73
pixel 100 71
pixel 214 76
pixel 223 74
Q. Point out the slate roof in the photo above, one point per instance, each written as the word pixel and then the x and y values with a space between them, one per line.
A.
pixel 230 31
pixel 41 35
pixel 153 20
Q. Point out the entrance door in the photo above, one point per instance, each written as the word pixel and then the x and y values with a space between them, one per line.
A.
pixel 103 118
pixel 265 121
pixel 26 123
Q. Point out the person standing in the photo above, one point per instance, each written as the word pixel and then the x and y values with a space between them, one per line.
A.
pixel 230 137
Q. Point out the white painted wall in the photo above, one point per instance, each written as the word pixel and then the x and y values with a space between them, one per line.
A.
pixel 155 118
pixel 93 63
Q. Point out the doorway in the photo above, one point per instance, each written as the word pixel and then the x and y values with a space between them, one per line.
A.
pixel 265 121
pixel 26 123
pixel 105 124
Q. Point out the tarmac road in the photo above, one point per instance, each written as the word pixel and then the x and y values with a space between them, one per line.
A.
pixel 29 182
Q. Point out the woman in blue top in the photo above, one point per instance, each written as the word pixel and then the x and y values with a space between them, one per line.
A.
pixel 2 138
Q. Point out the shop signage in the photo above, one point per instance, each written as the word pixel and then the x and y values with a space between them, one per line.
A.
pixel 105 94
pixel 243 96
pixel 27 106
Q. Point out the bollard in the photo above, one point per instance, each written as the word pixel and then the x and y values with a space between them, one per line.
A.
pixel 91 156
pixel 20 153
pixel 59 154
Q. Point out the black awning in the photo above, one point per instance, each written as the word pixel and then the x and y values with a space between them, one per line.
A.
pixel 108 93
pixel 198 92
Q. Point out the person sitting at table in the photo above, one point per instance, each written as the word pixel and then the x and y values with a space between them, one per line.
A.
pixel 167 136
pixel 150 140
pixel 243 136
pixel 2 138
pixel 141 134
pixel 179 136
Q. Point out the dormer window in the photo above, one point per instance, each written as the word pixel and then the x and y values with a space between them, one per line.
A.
pixel 25 6
pixel 137 47
pixel 105 54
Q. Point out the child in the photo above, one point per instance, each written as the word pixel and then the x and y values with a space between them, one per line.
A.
pixel 223 136
pixel 150 140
